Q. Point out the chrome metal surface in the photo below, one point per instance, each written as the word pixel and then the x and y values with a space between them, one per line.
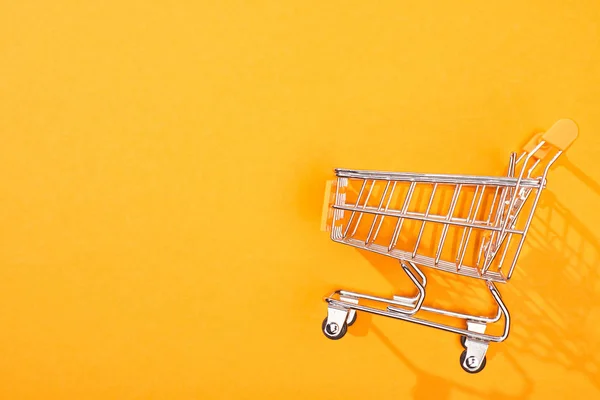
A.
pixel 351 313
pixel 426 261
pixel 337 314
pixel 435 178
pixel 469 225
pixel 497 220
pixel 405 205
pixel 475 348
pixel 453 314
pixel 448 219
pixel 430 218
pixel 502 310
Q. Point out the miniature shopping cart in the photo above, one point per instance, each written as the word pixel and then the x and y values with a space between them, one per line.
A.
pixel 474 226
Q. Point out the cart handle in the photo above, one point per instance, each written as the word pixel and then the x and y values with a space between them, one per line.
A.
pixel 560 135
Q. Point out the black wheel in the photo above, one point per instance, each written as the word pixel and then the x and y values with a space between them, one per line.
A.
pixel 333 331
pixel 463 342
pixel 353 320
pixel 462 360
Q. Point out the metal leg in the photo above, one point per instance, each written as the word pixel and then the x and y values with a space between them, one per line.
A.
pixel 416 302
pixel 420 284
pixel 413 304
pixel 352 312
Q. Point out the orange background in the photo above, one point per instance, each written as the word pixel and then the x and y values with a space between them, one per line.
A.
pixel 163 168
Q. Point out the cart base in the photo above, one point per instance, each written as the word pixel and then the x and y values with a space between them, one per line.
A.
pixel 344 305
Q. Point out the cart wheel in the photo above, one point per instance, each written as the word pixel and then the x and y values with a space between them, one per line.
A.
pixel 353 320
pixel 463 342
pixel 479 369
pixel 333 331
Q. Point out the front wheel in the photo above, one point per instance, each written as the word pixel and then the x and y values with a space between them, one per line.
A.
pixel 471 362
pixel 333 331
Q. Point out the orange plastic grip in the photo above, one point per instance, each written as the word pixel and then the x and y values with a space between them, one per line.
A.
pixel 327 201
pixel 561 134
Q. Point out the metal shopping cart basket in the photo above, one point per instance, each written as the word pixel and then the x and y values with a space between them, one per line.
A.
pixel 470 225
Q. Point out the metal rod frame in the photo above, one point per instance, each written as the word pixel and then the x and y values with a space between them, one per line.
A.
pixel 499 224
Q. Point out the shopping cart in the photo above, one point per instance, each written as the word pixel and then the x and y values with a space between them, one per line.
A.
pixel 469 225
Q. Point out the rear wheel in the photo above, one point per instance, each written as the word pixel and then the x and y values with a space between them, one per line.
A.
pixel 352 320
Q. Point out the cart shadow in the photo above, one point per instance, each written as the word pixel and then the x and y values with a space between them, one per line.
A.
pixel 558 327
pixel 554 295
pixel 430 386
pixel 556 288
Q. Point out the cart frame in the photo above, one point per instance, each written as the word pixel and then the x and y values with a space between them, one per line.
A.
pixel 508 215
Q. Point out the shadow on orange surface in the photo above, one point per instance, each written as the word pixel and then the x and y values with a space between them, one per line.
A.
pixel 550 323
pixel 561 253
pixel 429 386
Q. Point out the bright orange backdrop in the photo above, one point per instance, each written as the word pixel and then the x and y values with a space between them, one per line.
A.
pixel 163 167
